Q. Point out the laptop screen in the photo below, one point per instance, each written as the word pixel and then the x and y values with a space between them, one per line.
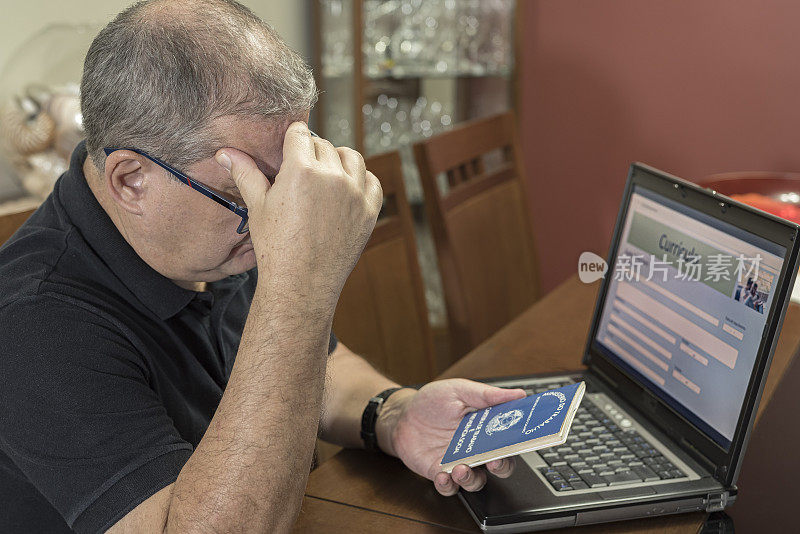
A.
pixel 686 307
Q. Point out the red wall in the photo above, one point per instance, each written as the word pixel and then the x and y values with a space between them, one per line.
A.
pixel 691 87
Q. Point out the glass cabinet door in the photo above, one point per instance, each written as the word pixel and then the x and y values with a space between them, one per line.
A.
pixel 423 66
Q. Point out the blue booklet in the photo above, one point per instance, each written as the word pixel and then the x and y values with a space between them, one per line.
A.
pixel 534 422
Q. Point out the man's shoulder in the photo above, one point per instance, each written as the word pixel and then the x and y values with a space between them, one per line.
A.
pixel 48 258
pixel 28 258
pixel 50 315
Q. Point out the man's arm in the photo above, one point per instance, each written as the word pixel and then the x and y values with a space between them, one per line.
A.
pixel 249 470
pixel 351 382
pixel 415 426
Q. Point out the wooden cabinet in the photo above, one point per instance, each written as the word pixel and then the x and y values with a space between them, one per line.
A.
pixel 391 72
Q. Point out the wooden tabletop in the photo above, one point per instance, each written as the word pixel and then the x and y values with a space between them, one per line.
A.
pixel 356 491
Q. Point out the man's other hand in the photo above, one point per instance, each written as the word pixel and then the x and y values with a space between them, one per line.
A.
pixel 418 428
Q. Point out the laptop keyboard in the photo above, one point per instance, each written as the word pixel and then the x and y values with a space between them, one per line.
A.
pixel 601 450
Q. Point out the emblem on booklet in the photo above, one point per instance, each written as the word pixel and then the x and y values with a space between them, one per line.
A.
pixel 503 421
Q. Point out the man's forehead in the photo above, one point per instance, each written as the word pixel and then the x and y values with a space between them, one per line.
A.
pixel 262 139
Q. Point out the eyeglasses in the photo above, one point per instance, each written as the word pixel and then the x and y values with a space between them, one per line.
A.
pixel 241 211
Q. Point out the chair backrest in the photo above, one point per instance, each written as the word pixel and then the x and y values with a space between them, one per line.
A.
pixel 381 313
pixel 481 227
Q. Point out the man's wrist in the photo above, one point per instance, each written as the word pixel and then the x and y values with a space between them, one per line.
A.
pixel 388 417
pixel 287 295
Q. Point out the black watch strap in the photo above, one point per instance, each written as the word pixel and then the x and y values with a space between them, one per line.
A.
pixel 370 417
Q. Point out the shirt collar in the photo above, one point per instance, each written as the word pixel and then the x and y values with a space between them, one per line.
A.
pixel 158 293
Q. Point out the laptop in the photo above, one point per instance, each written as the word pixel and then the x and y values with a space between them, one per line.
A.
pixel 685 324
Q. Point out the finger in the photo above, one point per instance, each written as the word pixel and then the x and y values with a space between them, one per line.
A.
pixel 327 155
pixel 444 484
pixel 468 478
pixel 501 468
pixel 353 164
pixel 298 145
pixel 250 181
pixel 374 191
pixel 477 395
pixel 495 395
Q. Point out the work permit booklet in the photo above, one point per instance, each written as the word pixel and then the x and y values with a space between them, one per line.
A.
pixel 523 425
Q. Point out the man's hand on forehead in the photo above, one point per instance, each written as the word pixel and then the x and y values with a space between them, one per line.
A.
pixel 313 221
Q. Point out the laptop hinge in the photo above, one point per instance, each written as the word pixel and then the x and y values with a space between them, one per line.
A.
pixel 716 502
pixel 721 473
pixel 604 377
pixel 718 471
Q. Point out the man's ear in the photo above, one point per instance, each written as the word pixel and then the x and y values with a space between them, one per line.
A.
pixel 127 180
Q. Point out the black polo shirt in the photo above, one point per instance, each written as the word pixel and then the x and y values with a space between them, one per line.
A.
pixel 109 372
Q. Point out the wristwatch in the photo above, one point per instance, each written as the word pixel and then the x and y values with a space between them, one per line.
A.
pixel 370 417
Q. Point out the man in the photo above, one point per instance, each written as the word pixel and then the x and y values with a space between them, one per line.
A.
pixel 750 296
pixel 167 356
pixel 746 288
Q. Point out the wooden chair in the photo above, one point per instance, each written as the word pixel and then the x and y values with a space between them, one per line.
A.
pixel 480 225
pixel 381 313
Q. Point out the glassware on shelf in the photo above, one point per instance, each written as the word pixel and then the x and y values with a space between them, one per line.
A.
pixel 379 27
pixel 339 115
pixel 336 26
pixel 392 122
pixel 496 52
pixel 406 39
pixel 411 38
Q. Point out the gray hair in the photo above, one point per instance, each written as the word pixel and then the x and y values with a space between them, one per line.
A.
pixel 159 74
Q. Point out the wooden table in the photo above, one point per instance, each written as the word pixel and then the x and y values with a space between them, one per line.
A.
pixel 356 491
